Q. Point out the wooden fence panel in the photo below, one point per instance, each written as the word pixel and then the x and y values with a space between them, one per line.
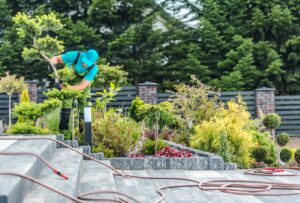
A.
pixel 122 99
pixel 288 107
pixel 4 106
pixel 248 97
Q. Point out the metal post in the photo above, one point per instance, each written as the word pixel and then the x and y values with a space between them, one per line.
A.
pixel 88 123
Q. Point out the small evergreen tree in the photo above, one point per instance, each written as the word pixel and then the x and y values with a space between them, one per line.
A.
pixel 25 96
pixel 10 85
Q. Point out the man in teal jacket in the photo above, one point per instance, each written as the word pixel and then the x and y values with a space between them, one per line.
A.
pixel 85 69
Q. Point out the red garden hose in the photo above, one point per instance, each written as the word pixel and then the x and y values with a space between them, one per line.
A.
pixel 271 172
pixel 39 157
pixel 274 169
pixel 83 196
pixel 41 184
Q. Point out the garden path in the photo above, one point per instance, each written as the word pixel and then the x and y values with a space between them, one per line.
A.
pixel 145 190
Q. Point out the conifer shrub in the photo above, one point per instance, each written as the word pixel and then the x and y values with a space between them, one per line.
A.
pixel 282 139
pixel 285 155
pixel 259 153
pixel 297 156
pixel 231 121
pixel 271 121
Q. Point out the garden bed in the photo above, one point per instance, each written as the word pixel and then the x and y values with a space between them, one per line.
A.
pixel 199 161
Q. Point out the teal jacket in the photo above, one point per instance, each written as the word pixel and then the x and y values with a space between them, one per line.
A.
pixel 69 58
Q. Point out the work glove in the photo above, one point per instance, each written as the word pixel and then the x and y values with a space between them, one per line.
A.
pixel 57 85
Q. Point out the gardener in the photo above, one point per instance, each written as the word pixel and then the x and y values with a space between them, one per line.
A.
pixel 85 70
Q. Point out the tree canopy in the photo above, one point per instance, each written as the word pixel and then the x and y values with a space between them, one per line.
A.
pixel 230 44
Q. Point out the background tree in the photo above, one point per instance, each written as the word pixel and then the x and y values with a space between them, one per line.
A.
pixel 166 41
pixel 138 50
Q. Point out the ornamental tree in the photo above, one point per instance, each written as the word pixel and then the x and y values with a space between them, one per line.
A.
pixel 35 29
pixel 10 85
pixel 157 116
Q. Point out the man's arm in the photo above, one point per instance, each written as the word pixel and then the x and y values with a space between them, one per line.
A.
pixel 84 83
pixel 56 59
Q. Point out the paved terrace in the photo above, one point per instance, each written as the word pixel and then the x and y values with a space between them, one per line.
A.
pixel 145 190
pixel 87 175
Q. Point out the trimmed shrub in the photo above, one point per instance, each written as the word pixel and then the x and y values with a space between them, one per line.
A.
pixel 285 155
pixel 25 128
pixel 231 121
pixel 133 110
pixel 115 132
pixel 259 154
pixel 269 160
pixel 263 140
pixel 31 111
pixel 271 121
pixel 149 146
pixel 51 121
pixel 101 148
pixel 25 96
pixel 63 94
pixel 282 139
pixel 297 156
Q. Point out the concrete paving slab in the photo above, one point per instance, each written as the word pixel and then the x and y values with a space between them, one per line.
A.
pixel 285 179
pixel 67 162
pixel 145 190
pixel 95 176
pixel 24 164
pixel 5 143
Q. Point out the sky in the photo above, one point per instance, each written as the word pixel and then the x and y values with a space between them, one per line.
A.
pixel 180 12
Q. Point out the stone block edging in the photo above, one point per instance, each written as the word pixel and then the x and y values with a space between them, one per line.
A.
pixel 200 161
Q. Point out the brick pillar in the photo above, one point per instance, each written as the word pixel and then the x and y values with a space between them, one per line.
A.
pixel 265 100
pixel 32 90
pixel 148 92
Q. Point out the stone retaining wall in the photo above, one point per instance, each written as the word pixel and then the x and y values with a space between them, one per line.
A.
pixel 200 161
pixel 165 163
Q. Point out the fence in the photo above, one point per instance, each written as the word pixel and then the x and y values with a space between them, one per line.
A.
pixel 122 99
pixel 4 105
pixel 248 97
pixel 260 100
pixel 288 107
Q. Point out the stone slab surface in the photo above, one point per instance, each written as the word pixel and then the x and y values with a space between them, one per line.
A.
pixel 24 164
pixel 145 190
pixel 67 162
pixel 5 143
pixel 95 176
